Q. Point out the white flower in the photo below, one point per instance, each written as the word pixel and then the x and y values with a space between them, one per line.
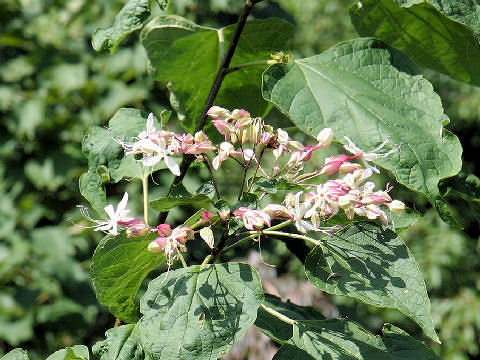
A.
pixel 372 155
pixel 150 128
pixel 110 226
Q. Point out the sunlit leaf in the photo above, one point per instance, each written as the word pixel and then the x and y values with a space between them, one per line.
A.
pixel 129 19
pixel 368 91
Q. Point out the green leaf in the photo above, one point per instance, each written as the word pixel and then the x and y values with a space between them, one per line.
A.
pixel 179 196
pixel 119 266
pixel 122 342
pixel 342 339
pixel 187 56
pixel 16 354
pixel 199 312
pixel 277 329
pixel 462 193
pixel 373 265
pixel 207 188
pixel 128 20
pixel 194 218
pixel 76 352
pixel 106 158
pixel 368 91
pixel 439 34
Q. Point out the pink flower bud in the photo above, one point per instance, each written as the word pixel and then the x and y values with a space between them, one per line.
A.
pixel 217 112
pixel 325 137
pixel 277 211
pixel 157 245
pixel 164 230
pixel 207 216
pixel 331 168
pixel 348 167
pixel 136 228
pixel 239 114
pixel 224 214
pixel 223 128
pixel 182 234
pixel 396 206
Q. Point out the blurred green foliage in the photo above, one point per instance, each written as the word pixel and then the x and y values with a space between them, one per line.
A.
pixel 53 86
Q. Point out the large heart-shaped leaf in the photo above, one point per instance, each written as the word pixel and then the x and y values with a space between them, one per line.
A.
pixel 186 57
pixel 119 266
pixel 373 265
pixel 368 91
pixel 442 35
pixel 340 339
pixel 199 312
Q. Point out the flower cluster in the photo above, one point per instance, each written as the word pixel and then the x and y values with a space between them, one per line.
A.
pixel 154 146
pixel 171 241
pixel 246 140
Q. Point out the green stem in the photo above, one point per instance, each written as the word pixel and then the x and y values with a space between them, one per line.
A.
pixel 145 198
pixel 184 264
pixel 278 315
pixel 292 235
pixel 254 234
pixel 209 167
pixel 252 180
pixel 206 260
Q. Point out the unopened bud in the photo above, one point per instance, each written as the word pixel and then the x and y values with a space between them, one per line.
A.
pixel 325 137
pixel 164 230
pixel 396 206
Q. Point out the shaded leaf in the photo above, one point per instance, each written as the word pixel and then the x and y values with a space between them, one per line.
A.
pixel 121 342
pixel 119 266
pixel 178 196
pixel 129 19
pixel 277 329
pixel 187 56
pixel 439 34
pixel 373 265
pixel 368 91
pixel 342 339
pixel 199 312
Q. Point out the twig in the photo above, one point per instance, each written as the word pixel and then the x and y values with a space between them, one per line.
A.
pixel 209 167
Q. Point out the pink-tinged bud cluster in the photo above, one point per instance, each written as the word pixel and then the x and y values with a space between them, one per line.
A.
pixel 252 219
pixel 171 241
pixel 155 146
pixel 238 127
pixel 207 216
pixel 349 193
